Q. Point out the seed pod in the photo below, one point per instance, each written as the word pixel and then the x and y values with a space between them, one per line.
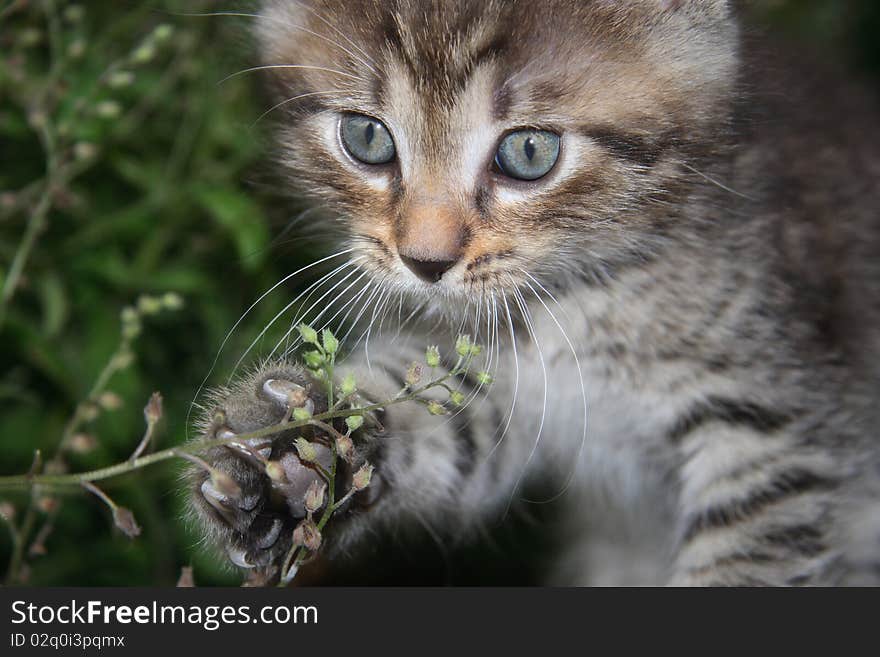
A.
pixel 361 478
pixel 307 535
pixel 314 498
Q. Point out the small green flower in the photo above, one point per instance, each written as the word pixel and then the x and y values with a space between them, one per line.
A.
pixel 148 305
pixel 348 385
pixel 456 397
pixel 308 334
pixel 436 408
pixel 163 32
pixel 131 330
pixel 172 301
pixel 306 450
pixel 301 414
pixel 432 357
pixel 108 109
pixel 463 345
pixel 313 359
pixel 354 422
pixel 143 53
pixel 331 344
pixel 120 79
pixel 484 378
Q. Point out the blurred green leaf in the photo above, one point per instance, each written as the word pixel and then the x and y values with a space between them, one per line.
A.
pixel 241 217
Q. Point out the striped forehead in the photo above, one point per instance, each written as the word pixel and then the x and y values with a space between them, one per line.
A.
pixel 449 136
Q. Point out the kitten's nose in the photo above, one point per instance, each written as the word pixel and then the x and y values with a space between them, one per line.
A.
pixel 429 271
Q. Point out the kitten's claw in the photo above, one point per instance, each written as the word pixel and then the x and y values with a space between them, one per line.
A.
pixel 288 394
pixel 255 524
pixel 239 558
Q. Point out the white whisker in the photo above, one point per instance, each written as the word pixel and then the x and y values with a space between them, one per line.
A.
pixel 241 319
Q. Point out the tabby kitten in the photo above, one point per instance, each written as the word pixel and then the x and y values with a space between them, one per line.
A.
pixel 671 251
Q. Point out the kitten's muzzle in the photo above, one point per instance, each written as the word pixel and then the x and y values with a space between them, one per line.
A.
pixel 429 271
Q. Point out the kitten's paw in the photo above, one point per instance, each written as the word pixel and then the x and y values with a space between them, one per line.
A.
pixel 255 497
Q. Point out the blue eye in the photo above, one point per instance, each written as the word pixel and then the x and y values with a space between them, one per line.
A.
pixel 367 139
pixel 527 154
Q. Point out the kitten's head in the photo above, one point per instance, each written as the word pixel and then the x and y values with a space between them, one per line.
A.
pixel 469 144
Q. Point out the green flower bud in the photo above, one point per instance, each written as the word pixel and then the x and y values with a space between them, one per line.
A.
pixel 432 357
pixel 308 334
pixel 163 32
pixel 172 301
pixel 331 344
pixel 313 359
pixel 301 414
pixel 143 53
pixel 348 385
pixel 306 450
pixel 147 305
pixel 354 422
pixel 108 109
pixel 456 397
pixel 484 378
pixel 120 79
pixel 436 408
pixel 463 345
pixel 131 330
pixel 128 315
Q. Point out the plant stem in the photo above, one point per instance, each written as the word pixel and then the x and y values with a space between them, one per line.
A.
pixel 75 480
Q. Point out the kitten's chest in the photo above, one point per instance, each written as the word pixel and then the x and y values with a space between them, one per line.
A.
pixel 600 409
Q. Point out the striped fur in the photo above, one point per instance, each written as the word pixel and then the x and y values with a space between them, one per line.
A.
pixel 701 263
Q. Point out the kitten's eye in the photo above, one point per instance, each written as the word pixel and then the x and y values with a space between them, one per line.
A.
pixel 527 154
pixel 367 139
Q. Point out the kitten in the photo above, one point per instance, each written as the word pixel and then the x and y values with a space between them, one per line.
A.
pixel 674 254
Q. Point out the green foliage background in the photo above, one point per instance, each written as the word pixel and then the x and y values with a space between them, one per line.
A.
pixel 167 193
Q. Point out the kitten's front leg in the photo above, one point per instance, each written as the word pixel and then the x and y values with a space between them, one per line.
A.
pixel 425 465
pixel 756 504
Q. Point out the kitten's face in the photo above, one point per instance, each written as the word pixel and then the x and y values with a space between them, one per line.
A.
pixel 469 145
